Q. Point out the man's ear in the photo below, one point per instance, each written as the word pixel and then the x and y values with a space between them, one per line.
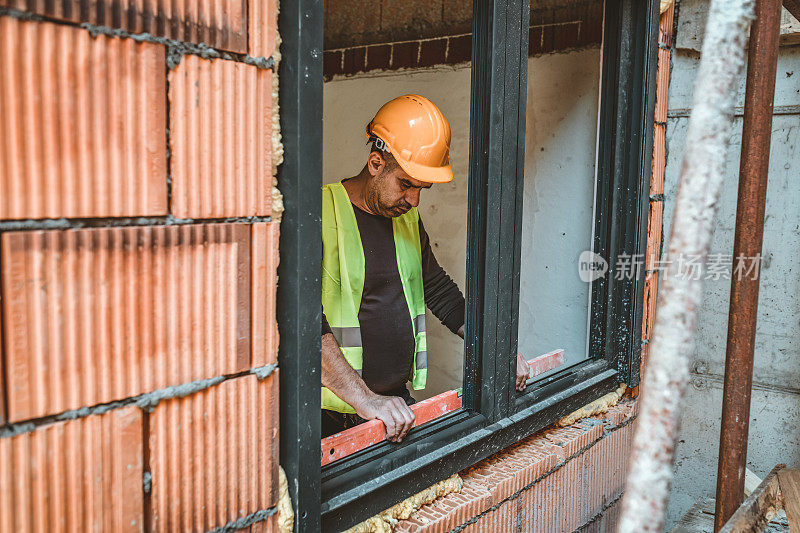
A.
pixel 375 163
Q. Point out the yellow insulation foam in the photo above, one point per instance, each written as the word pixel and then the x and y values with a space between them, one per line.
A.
pixel 385 521
pixel 600 405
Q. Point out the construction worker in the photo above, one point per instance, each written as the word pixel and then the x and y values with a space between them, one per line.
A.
pixel 379 273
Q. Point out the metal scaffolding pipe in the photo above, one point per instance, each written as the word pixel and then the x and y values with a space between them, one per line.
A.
pixel 672 347
pixel 762 64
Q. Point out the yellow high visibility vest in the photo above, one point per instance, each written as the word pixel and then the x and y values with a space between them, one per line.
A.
pixel 343 283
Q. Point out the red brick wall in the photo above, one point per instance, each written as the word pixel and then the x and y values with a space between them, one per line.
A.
pixel 138 256
pixel 562 479
pixel 362 36
pixel 655 225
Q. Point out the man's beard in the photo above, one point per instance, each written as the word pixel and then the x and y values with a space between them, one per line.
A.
pixel 383 209
pixel 399 210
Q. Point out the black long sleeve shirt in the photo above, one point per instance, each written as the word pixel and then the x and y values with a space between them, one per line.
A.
pixel 387 334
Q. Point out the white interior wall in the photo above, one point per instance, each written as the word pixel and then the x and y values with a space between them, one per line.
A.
pixel 561 139
pixel 559 182
pixel 349 104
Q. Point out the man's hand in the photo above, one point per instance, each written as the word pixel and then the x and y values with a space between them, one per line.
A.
pixel 523 372
pixel 391 410
pixel 339 376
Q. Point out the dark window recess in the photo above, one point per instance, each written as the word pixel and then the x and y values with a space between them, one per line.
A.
pixel 495 416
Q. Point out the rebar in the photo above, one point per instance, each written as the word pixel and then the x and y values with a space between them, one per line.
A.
pixel 762 66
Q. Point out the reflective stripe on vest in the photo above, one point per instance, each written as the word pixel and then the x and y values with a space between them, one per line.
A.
pixel 343 283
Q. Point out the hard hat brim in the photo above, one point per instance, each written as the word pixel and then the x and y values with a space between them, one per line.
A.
pixel 443 174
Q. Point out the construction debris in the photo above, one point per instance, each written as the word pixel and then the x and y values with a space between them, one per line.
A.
pixel 760 507
pixel 789 481
pixel 700 519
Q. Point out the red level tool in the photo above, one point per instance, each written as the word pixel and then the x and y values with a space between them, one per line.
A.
pixel 545 362
pixel 364 435
pixel 354 439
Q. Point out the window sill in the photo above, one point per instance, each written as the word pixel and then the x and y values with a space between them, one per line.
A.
pixel 370 481
pixel 491 486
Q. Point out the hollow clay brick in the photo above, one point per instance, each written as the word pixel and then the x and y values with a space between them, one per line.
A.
pixel 263 27
pixel 84 126
pixel 220 139
pixel 217 23
pixel 78 475
pixel 214 455
pixel 96 315
pixel 265 258
pixel 650 295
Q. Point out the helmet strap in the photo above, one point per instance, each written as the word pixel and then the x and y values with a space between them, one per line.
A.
pixel 379 143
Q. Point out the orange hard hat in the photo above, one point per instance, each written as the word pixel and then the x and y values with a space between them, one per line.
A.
pixel 418 136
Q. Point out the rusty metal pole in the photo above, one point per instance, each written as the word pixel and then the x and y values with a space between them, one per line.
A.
pixel 762 62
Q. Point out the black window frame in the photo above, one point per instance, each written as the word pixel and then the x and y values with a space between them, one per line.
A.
pixel 494 416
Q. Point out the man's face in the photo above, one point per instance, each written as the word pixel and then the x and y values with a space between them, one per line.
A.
pixel 391 192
